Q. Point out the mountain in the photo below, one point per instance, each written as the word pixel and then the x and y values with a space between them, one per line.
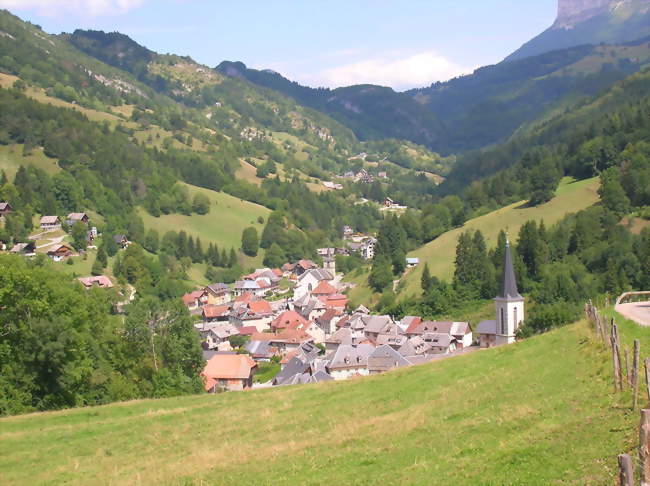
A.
pixel 372 112
pixel 468 112
pixel 590 22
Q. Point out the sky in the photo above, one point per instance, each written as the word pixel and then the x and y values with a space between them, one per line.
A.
pixel 401 44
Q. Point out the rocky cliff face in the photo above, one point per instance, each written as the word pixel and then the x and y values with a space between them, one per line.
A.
pixel 572 12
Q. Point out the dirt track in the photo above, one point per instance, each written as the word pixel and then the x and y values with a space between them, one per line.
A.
pixel 637 311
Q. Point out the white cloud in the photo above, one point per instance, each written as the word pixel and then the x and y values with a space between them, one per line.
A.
pixel 83 7
pixel 399 72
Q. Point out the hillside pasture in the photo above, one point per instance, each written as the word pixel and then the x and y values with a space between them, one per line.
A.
pixel 535 413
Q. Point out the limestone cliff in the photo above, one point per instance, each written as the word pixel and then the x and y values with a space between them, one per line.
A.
pixel 573 12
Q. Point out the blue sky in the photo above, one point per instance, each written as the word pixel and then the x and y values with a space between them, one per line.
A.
pixel 402 44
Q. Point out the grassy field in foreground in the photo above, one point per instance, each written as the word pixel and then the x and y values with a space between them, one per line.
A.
pixel 440 253
pixel 223 225
pixel 536 413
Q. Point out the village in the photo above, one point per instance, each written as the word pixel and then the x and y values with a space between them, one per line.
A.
pixel 314 336
pixel 306 331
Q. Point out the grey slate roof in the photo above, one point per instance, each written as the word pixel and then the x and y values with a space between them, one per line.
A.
pixel 508 280
pixel 385 358
pixel 487 327
pixel 350 356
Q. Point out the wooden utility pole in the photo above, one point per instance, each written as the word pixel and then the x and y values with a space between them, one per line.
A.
pixel 626 471
pixel 644 447
pixel 647 377
pixel 635 373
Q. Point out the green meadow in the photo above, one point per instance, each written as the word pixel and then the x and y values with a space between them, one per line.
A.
pixel 538 412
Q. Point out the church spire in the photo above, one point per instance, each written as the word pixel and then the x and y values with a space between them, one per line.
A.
pixel 508 280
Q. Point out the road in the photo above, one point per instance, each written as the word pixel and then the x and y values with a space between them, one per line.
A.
pixel 636 311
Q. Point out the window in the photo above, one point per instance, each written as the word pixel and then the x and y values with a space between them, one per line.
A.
pixel 516 321
pixel 503 321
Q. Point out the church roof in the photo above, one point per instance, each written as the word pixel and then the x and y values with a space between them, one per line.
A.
pixel 509 281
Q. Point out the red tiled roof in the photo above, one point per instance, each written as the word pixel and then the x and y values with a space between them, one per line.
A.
pixel 246 297
pixel 277 272
pixel 212 311
pixel 260 307
pixel 414 325
pixel 324 288
pixel 192 296
pixel 288 319
pixel 227 366
pixel 247 330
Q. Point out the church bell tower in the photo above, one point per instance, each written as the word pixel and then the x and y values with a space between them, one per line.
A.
pixel 509 303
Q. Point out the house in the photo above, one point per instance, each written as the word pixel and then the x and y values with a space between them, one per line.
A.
pixel 309 280
pixel 285 341
pixel 252 287
pixel 348 361
pixel 288 320
pixel 60 252
pixel 219 334
pixel 409 324
pixel 327 320
pixel 388 202
pixel 5 208
pixel 218 294
pixel 194 300
pixel 101 281
pixel 385 358
pixel 230 372
pixel 439 343
pixel 50 223
pixel 412 262
pixel 342 336
pixel 376 325
pixel 74 218
pixel 215 313
pixel 324 288
pixel 509 307
pixel 303 266
pixel 298 369
pixel 393 340
pixel 27 249
pixel 257 313
pixel 121 241
pixel 368 248
pixel 415 346
pixel 261 350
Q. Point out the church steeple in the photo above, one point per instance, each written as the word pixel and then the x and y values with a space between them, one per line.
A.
pixel 508 280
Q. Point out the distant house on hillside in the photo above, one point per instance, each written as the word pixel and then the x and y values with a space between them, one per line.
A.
pixel 101 281
pixel 229 372
pixel 412 262
pixel 49 223
pixel 5 208
pixel 60 252
pixel 121 241
pixel 218 293
pixel 27 249
pixel 74 218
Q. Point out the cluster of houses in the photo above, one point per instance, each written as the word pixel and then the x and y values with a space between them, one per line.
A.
pixel 316 338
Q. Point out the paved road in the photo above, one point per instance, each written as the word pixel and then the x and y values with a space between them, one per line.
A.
pixel 637 311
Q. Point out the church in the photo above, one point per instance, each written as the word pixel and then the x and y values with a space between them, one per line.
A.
pixel 509 306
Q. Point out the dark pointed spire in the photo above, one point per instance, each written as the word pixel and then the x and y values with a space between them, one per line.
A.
pixel 508 280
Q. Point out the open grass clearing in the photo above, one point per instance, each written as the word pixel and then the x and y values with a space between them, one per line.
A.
pixel 536 413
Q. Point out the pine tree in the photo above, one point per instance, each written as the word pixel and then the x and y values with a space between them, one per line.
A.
pixel 426 278
pixel 232 260
pixel 102 258
pixel 224 258
pixel 3 178
pixel 198 251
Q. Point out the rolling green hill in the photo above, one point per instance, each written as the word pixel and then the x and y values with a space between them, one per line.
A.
pixel 535 413
pixel 223 225
pixel 571 197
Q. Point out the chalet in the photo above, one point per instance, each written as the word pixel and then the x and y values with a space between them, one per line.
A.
pixel 228 372
pixel 348 361
pixel 385 358
pixel 256 313
pixel 309 280
pixel 215 313
pixel 194 300
pixel 121 241
pixel 412 262
pixel 49 223
pixel 303 266
pixel 252 287
pixel 101 281
pixel 27 249
pixel 218 335
pixel 5 208
pixel 376 325
pixel 60 252
pixel 439 343
pixel 218 294
pixel 74 218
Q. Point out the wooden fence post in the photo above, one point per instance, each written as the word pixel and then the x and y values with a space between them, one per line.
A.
pixel 647 377
pixel 626 472
pixel 628 369
pixel 635 373
pixel 616 359
pixel 644 447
